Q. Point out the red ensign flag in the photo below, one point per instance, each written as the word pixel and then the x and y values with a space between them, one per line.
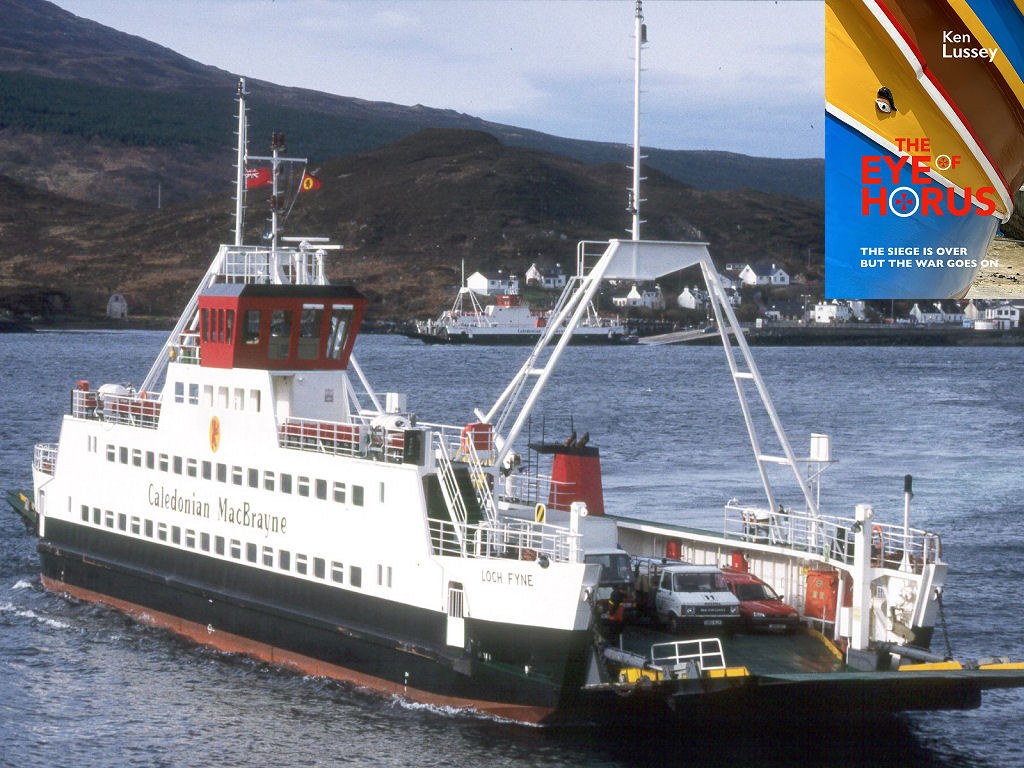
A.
pixel 257 177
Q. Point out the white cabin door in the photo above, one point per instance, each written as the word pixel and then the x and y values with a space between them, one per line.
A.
pixel 456 620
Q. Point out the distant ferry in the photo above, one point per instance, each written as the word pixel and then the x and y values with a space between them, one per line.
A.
pixel 924 142
pixel 256 497
pixel 509 320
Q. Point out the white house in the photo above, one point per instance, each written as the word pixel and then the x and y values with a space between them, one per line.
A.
pixel 975 309
pixel 692 298
pixel 117 307
pixel 546 277
pixel 935 313
pixel 498 284
pixel 832 312
pixel 928 314
pixel 1005 315
pixel 764 274
pixel 649 298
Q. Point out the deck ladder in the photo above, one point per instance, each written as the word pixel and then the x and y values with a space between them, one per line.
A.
pixel 450 487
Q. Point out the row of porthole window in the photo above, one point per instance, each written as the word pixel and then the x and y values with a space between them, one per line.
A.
pixel 205 542
pixel 241 476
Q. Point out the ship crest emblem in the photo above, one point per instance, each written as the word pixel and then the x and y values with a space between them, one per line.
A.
pixel 214 434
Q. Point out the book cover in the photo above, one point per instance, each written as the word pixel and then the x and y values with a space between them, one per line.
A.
pixel 924 142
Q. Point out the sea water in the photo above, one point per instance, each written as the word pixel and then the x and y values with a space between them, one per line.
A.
pixel 81 685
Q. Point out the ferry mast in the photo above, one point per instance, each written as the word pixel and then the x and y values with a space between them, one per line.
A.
pixel 243 141
pixel 640 39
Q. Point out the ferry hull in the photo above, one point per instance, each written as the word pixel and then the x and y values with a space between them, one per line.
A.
pixel 292 633
pixel 388 647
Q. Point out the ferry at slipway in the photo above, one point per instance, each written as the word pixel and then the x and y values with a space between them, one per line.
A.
pixel 255 494
pixel 509 320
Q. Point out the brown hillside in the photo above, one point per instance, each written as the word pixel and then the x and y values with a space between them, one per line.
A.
pixel 407 215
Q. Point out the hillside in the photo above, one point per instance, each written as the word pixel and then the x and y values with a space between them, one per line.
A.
pixel 407 214
pixel 87 110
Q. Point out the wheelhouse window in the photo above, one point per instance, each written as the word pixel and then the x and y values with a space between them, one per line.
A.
pixel 280 334
pixel 251 330
pixel 309 331
pixel 341 318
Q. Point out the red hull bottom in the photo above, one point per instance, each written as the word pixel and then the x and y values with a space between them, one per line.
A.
pixel 231 643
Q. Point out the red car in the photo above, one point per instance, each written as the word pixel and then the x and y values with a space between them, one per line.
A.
pixel 761 608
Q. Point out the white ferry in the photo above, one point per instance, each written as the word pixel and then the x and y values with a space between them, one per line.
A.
pixel 510 320
pixel 255 494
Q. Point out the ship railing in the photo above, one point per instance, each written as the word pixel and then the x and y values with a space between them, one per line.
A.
pixel 505 539
pixel 831 538
pixel 187 349
pixel 45 457
pixel 246 264
pixel 530 490
pixel 461 444
pixel 137 410
pixel 357 438
pixel 337 438
pixel 677 657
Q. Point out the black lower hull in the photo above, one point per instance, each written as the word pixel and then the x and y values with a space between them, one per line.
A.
pixel 518 673
pixel 319 629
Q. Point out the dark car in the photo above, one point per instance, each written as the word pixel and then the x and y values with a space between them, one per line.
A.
pixel 761 608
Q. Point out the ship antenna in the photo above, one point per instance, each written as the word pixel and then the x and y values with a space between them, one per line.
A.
pixel 640 35
pixel 240 180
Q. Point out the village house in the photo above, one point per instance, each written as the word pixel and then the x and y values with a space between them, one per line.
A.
pixel 764 274
pixel 1005 315
pixel 648 298
pixel 692 298
pixel 935 313
pixel 117 307
pixel 784 310
pixel 495 284
pixel 549 278
pixel 831 312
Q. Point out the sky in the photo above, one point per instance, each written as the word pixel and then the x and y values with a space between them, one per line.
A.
pixel 734 75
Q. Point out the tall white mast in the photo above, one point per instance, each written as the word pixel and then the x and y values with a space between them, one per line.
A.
pixel 240 181
pixel 640 35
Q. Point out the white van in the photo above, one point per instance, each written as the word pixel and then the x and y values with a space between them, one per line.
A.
pixel 695 596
